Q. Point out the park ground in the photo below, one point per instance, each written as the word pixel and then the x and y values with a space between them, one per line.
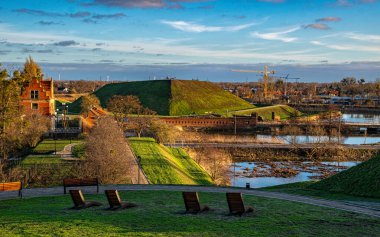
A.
pixel 161 213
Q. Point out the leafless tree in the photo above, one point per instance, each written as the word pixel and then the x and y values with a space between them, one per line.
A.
pixel 215 161
pixel 89 102
pixel 107 155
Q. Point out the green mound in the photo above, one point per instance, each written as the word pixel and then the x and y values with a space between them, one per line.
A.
pixel 165 165
pixel 200 97
pixel 173 97
pixel 361 180
pixel 284 111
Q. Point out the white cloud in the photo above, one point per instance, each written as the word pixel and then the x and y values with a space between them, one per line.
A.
pixel 348 47
pixel 197 28
pixel 364 37
pixel 280 35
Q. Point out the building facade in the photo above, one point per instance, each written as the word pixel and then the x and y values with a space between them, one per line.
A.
pixel 38 97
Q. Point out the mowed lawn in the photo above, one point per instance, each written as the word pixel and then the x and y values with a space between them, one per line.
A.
pixel 164 165
pixel 50 146
pixel 161 213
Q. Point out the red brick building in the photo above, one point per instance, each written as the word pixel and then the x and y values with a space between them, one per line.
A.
pixel 38 97
pixel 212 122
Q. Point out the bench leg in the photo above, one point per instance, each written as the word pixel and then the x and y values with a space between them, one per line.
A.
pixel 64 190
pixel 20 193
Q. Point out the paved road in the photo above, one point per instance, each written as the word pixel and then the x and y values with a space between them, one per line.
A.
pixel 356 207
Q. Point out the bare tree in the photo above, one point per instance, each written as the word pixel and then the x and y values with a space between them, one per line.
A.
pixel 107 155
pixel 215 161
pixel 142 122
pixel 163 132
pixel 35 125
pixel 89 102
pixel 121 106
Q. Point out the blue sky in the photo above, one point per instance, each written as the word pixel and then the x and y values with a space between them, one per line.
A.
pixel 322 40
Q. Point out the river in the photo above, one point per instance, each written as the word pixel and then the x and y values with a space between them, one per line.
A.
pixel 243 170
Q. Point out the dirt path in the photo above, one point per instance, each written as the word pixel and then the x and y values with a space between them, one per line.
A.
pixel 370 210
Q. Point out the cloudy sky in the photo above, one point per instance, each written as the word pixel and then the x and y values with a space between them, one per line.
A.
pixel 317 40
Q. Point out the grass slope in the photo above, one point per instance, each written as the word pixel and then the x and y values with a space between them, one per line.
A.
pixel 165 165
pixel 360 180
pixel 152 94
pixel 198 97
pixel 172 97
pixel 284 111
pixel 160 213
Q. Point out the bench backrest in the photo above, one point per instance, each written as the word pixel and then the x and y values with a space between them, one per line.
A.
pixel 235 202
pixel 80 182
pixel 11 186
pixel 113 198
pixel 77 197
pixel 191 200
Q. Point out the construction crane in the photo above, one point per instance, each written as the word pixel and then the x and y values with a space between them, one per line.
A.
pixel 286 80
pixel 265 73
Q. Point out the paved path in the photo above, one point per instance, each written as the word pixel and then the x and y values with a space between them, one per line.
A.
pixel 67 150
pixel 361 208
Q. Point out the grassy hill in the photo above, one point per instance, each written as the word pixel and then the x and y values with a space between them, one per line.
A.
pixel 200 96
pixel 173 97
pixel 165 165
pixel 360 180
pixel 284 111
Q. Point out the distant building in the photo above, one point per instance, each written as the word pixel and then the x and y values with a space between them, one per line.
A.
pixel 38 97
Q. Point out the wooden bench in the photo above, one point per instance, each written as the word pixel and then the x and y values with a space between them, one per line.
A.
pixel 12 186
pixel 192 204
pixel 79 202
pixel 80 183
pixel 236 204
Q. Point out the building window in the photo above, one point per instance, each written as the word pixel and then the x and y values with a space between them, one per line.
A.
pixel 34 106
pixel 34 95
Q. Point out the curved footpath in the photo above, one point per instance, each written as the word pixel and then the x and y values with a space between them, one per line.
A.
pixel 355 207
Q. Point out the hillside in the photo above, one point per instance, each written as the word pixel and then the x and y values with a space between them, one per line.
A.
pixel 173 97
pixel 165 165
pixel 360 180
pixel 284 111
pixel 199 97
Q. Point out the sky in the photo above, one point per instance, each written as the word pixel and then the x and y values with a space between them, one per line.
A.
pixel 315 40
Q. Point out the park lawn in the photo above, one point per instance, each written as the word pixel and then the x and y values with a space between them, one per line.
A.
pixel 41 160
pixel 161 213
pixel 165 165
pixel 305 189
pixel 49 146
pixel 284 111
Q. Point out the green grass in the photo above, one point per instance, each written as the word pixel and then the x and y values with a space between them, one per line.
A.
pixel 284 111
pixel 152 94
pixel 165 165
pixel 49 146
pixel 199 97
pixel 361 180
pixel 160 213
pixel 79 150
pixel 304 189
pixel 41 160
pixel 172 97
